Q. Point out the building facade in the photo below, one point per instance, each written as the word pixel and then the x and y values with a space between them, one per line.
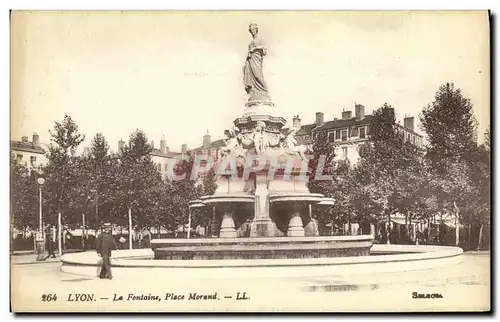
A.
pixel 31 154
pixel 209 148
pixel 161 157
pixel 349 132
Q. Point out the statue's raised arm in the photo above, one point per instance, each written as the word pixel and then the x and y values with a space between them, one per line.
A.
pixel 253 77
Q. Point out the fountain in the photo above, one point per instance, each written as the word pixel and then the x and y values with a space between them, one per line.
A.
pixel 262 207
pixel 262 219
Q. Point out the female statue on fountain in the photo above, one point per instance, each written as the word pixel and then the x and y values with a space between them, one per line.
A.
pixel 253 77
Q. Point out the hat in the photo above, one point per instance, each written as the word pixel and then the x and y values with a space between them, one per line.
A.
pixel 106 225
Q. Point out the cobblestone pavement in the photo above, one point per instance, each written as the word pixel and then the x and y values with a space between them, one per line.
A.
pixel 463 287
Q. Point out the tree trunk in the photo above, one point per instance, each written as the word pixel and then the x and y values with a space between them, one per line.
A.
pixel 130 228
pixel 59 235
pixel 480 241
pixel 440 233
pixel 407 226
pixel 388 229
pixel 457 223
pixel 470 234
pixel 349 223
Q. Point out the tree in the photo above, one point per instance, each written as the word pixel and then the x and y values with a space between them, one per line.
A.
pixel 184 190
pixel 450 126
pixel 452 152
pixel 97 177
pixel 324 163
pixel 61 170
pixel 23 196
pixel 137 179
pixel 390 170
pixel 481 183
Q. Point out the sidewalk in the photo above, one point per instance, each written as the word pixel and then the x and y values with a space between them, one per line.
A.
pixel 477 252
pixel 31 259
pixel 23 252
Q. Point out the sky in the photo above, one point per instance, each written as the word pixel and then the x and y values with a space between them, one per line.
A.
pixel 179 74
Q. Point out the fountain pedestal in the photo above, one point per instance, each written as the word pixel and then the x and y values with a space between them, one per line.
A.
pixel 296 226
pixel 262 225
pixel 227 227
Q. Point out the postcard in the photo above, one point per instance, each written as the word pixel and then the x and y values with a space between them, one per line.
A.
pixel 250 161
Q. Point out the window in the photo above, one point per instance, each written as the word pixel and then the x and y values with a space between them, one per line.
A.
pixel 362 133
pixel 344 135
pixel 408 137
pixel 354 131
pixel 344 151
pixel 33 161
pixel 337 135
pixel 19 157
pixel 331 136
pixel 166 166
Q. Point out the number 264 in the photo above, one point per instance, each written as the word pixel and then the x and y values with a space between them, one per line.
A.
pixel 49 297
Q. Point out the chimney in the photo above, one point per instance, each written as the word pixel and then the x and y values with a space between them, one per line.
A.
pixel 296 122
pixel 121 145
pixel 36 139
pixel 359 111
pixel 319 118
pixel 163 145
pixel 184 148
pixel 346 115
pixel 207 142
pixel 24 139
pixel 409 123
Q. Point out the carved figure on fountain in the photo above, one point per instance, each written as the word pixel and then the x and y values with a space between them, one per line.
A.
pixel 259 138
pixel 232 145
pixel 292 147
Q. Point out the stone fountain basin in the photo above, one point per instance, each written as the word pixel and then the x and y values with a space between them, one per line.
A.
pixel 227 199
pixel 295 197
pixel 135 264
pixel 262 248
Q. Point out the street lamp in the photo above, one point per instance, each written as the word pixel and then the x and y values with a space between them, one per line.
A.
pixel 40 244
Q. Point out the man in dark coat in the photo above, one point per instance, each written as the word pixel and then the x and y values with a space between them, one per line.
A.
pixel 104 244
pixel 50 243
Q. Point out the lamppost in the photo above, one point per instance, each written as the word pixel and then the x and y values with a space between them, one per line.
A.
pixel 40 243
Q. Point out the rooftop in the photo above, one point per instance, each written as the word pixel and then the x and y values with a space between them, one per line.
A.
pixel 26 147
pixel 340 123
pixel 217 144
pixel 169 154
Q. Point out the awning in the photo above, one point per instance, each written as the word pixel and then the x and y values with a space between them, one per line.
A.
pixel 398 221
pixel 452 224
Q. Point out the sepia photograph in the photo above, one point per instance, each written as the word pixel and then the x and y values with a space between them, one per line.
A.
pixel 250 161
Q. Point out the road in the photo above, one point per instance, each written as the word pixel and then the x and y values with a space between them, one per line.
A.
pixel 464 287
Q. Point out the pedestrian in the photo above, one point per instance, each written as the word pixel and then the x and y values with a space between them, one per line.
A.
pixel 50 245
pixel 105 243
